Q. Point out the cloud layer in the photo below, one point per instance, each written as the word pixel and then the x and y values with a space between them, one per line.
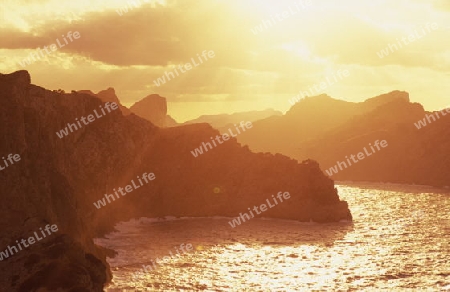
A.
pixel 128 52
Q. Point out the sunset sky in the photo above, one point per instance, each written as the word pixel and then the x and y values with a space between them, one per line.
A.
pixel 249 71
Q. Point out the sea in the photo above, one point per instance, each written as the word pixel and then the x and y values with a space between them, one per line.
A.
pixel 399 240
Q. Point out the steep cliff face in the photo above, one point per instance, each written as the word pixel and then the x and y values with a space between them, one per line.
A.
pixel 153 108
pixel 39 189
pixel 58 180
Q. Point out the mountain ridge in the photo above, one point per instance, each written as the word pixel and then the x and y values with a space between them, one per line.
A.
pixel 353 126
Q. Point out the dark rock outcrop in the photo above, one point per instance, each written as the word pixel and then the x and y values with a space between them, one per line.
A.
pixel 58 180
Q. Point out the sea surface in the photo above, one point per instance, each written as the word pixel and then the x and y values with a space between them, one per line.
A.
pixel 399 241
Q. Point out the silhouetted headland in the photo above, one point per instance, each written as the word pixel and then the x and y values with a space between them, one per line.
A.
pixel 57 180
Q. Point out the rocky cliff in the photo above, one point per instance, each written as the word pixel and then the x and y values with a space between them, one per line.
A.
pixel 58 180
pixel 42 189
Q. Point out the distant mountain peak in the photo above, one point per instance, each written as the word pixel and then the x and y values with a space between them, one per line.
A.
pixel 109 90
pixel 153 108
pixel 108 95
pixel 323 95
pixel 395 94
pixel 317 98
pixel 311 103
pixel 152 98
pixel 220 121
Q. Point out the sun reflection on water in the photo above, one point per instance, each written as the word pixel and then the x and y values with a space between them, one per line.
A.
pixel 397 242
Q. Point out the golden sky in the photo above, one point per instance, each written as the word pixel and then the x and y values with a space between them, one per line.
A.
pixel 249 71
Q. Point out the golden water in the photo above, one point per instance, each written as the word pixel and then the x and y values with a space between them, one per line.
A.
pixel 399 241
